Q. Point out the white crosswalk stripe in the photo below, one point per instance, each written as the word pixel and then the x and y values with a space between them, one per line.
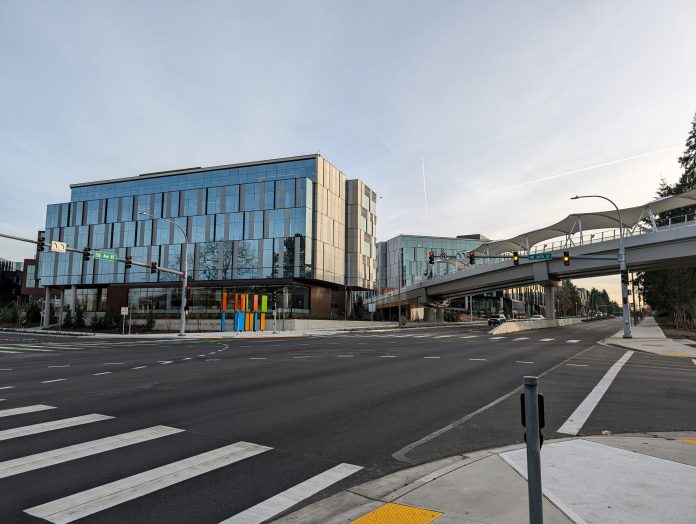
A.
pixel 51 426
pixel 85 503
pixel 520 338
pixel 39 349
pixel 545 340
pixel 572 341
pixel 26 409
pixel 288 498
pixel 58 456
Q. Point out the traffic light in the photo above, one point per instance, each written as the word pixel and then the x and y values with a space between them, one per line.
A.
pixel 472 257
pixel 566 258
pixel 624 277
pixel 153 267
pixel 431 257
pixel 86 254
pixel 515 258
pixel 129 262
pixel 40 243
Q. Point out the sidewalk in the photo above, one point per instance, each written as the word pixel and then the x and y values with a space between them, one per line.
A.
pixel 649 337
pixel 631 479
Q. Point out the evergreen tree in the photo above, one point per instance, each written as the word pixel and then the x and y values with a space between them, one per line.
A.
pixel 67 319
pixel 79 317
pixel 687 162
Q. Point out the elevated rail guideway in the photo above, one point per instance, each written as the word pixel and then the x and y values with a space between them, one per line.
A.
pixel 650 242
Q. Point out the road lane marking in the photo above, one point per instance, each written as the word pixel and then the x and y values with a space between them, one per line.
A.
pixel 523 362
pixel 304 356
pixel 211 359
pixel 584 410
pixel 63 366
pixel 545 340
pixel 26 409
pixel 85 503
pixel 139 367
pixel 54 380
pixel 187 358
pixel 578 365
pixel 443 336
pixel 51 426
pixel 572 341
pixel 86 449
pixel 483 359
pixel 7 387
pixel 20 349
pixel 431 357
pixel 102 373
pixel 5 369
pixel 693 360
pixel 273 506
pixel 520 338
pixel 346 356
pixel 496 338
pixel 387 356
pixel 8 352
pixel 168 361
pixel 470 336
pixel 257 358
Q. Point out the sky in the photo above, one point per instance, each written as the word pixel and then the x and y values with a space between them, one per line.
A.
pixel 508 108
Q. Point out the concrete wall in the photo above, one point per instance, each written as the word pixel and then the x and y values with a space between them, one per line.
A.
pixel 526 325
pixel 213 325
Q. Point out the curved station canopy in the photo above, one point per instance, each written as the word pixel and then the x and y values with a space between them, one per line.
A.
pixel 632 217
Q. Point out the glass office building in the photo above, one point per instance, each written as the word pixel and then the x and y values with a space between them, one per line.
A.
pixel 292 227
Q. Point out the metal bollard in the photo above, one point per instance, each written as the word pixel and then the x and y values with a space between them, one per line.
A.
pixel 532 434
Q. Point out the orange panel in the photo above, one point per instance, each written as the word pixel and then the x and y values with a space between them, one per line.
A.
pixel 256 303
pixel 224 302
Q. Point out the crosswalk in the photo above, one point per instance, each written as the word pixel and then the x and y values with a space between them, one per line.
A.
pixel 120 491
pixel 480 337
pixel 51 347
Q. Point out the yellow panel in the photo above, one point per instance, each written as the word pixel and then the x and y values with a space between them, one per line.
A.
pixel 398 514
pixel 688 441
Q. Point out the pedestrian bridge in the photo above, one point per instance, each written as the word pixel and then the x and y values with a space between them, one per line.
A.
pixel 650 242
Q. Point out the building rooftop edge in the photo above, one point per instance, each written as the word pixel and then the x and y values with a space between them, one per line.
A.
pixel 195 170
pixel 476 236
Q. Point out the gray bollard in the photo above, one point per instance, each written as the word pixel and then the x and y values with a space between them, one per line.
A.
pixel 531 408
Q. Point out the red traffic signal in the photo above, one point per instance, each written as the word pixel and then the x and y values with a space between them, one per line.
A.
pixel 129 262
pixel 472 257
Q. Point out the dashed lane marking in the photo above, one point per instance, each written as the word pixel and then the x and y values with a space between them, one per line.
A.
pixel 5 369
pixel 578 365
pixel 443 336
pixel 257 358
pixel 211 359
pixel 139 367
pixel 387 356
pixel 21 349
pixel 54 380
pixel 303 356
pixel 523 362
pixel 479 359
pixel 545 340
pixel 572 341
pixel 431 357
pixel 8 352
pixel 114 363
pixel 520 338
pixel 693 360
pixel 496 338
pixel 346 356
pixel 63 366
pixel 102 373
pixel 164 362
pixel 470 336
pixel 7 387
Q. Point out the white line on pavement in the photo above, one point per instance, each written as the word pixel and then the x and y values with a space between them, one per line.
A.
pixel 114 363
pixel 545 340
pixel 257 358
pixel 51 426
pixel 211 359
pixel 5 369
pixel 572 341
pixel 102 373
pixel 79 505
pixel 496 338
pixel 478 359
pixel 584 410
pixel 520 338
pixel 578 365
pixel 387 356
pixel 8 352
pixel 346 356
pixel 7 387
pixel 54 380
pixel 693 360
pixel 25 409
pixel 20 349
pixel 443 336
pixel 66 454
pixel 63 366
pixel 169 361
pixel 305 356
pixel 187 358
pixel 523 362
pixel 282 501
pixel 470 336
pixel 139 367
pixel 431 357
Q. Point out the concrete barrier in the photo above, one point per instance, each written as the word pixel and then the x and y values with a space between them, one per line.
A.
pixel 527 325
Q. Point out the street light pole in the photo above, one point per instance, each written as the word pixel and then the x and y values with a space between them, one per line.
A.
pixel 401 264
pixel 184 280
pixel 622 266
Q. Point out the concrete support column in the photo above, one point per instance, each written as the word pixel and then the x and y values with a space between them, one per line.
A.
pixel 47 309
pixel 73 299
pixel 549 301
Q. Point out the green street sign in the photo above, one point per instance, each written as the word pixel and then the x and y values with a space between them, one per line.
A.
pixel 540 256
pixel 104 255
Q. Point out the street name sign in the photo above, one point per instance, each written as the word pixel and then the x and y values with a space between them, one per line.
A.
pixel 104 255
pixel 58 247
pixel 540 256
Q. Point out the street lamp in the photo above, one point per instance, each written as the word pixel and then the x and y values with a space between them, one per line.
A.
pixel 184 247
pixel 401 265
pixel 622 265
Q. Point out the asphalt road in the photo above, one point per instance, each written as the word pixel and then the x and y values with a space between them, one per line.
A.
pixel 376 401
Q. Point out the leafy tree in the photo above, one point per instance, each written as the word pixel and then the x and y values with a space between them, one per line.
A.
pixel 670 291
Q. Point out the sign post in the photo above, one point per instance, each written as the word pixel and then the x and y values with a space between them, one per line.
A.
pixel 124 313
pixel 533 420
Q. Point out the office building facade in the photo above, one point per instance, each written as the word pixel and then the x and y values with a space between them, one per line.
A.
pixel 289 228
